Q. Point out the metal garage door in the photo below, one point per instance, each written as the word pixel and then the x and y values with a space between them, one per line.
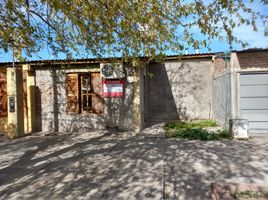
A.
pixel 254 101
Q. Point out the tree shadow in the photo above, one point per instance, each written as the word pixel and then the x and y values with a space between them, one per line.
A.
pixel 178 91
pixel 51 96
pixel 38 108
pixel 161 103
pixel 202 163
pixel 112 167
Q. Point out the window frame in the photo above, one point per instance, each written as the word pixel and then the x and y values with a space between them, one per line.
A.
pixel 88 94
pixel 80 94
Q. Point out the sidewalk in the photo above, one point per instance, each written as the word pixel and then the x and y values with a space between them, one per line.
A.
pixel 101 165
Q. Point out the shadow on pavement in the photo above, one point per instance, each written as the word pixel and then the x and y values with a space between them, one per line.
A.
pixel 109 166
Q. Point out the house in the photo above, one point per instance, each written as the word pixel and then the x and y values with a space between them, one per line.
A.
pixel 240 89
pixel 72 95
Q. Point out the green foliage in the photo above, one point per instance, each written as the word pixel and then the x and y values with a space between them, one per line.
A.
pixel 124 27
pixel 195 130
pixel 189 125
pixel 198 134
pixel 249 195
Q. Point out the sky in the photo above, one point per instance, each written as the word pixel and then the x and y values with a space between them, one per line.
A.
pixel 245 33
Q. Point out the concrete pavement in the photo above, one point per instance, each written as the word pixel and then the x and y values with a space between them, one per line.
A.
pixel 113 165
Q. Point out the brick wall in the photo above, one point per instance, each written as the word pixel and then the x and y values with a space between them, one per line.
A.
pixel 258 59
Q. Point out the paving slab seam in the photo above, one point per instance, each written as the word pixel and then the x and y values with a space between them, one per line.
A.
pixel 197 151
pixel 164 180
pixel 45 166
pixel 112 148
pixel 28 176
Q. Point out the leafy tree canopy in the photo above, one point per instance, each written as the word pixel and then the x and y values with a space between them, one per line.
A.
pixel 119 27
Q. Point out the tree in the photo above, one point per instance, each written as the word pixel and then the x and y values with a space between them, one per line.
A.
pixel 119 27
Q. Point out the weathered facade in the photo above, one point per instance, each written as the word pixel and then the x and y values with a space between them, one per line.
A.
pixel 67 96
pixel 180 89
pixel 52 113
pixel 47 102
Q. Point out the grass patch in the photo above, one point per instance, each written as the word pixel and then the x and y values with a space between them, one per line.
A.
pixel 249 195
pixel 195 130
pixel 190 125
pixel 199 134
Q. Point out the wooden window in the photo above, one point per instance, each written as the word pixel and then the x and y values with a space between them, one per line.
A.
pixel 72 93
pixel 84 93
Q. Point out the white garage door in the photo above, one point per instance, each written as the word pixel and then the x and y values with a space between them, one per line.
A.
pixel 254 101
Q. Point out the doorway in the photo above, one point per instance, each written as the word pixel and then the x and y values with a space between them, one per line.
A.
pixel 3 101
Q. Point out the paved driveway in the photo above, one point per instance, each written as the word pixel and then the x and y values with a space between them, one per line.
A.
pixel 99 165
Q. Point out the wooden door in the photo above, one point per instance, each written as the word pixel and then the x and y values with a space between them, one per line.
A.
pixel 98 102
pixel 3 94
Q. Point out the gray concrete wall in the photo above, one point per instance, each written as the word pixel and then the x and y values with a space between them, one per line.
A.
pixel 222 98
pixel 222 88
pixel 234 68
pixel 180 89
pixel 143 96
pixel 51 104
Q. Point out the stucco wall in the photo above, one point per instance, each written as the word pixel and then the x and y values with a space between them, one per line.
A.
pixel 3 124
pixel 222 90
pixel 143 97
pixel 222 98
pixel 51 104
pixel 180 90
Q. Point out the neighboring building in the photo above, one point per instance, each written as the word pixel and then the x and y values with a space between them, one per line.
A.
pixel 61 95
pixel 240 89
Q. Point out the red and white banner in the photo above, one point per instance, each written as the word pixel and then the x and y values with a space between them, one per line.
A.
pixel 113 88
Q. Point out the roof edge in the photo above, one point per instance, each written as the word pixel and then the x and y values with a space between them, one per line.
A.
pixel 99 60
pixel 252 50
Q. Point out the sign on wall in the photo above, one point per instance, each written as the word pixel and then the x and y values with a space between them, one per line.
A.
pixel 113 88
